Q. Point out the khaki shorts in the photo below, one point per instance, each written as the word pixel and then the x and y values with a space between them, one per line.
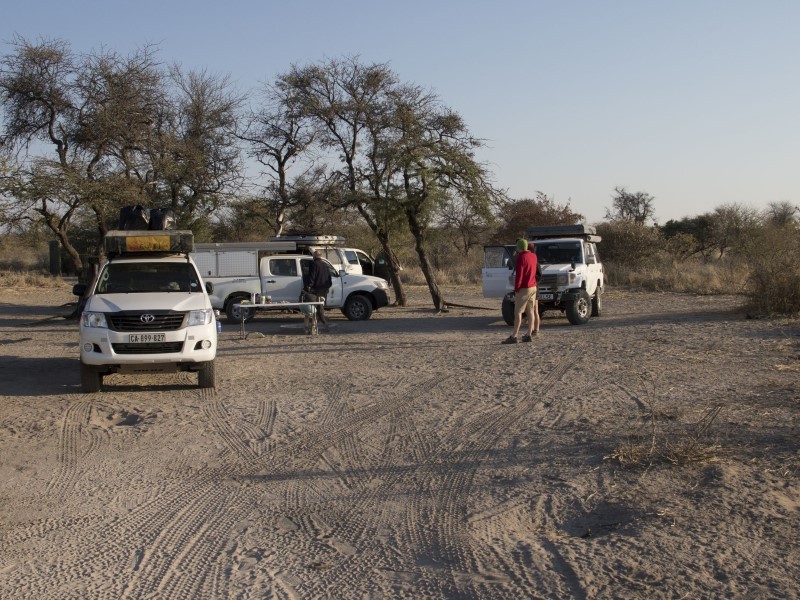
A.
pixel 525 298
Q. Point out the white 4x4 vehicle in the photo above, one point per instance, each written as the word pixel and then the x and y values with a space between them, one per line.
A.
pixel 572 280
pixel 148 310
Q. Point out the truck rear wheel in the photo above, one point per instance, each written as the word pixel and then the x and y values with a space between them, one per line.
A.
pixel 579 308
pixel 357 308
pixel 91 379
pixel 597 302
pixel 206 376
pixel 235 315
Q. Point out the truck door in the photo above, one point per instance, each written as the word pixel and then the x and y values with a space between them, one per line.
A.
pixel 335 294
pixel 497 272
pixel 280 279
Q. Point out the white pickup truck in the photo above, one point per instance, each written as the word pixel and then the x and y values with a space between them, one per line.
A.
pixel 572 280
pixel 148 310
pixel 350 260
pixel 239 270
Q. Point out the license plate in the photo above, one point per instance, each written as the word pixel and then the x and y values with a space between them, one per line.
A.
pixel 146 338
pixel 545 296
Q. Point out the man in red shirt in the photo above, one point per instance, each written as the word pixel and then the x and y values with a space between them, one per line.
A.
pixel 525 293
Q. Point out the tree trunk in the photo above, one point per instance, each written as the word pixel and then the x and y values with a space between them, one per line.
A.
pixel 60 231
pixel 391 258
pixel 400 298
pixel 418 231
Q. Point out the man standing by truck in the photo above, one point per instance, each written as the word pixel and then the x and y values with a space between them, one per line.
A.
pixel 525 292
pixel 317 283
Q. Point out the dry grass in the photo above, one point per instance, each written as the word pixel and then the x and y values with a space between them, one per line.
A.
pixel 691 444
pixel 31 279
pixel 695 277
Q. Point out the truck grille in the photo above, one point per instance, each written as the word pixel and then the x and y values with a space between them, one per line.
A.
pixel 549 281
pixel 132 321
pixel 157 348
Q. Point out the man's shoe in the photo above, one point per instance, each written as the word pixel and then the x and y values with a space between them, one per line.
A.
pixel 510 340
pixel 526 338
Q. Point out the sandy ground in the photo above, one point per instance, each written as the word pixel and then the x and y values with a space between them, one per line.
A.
pixel 652 453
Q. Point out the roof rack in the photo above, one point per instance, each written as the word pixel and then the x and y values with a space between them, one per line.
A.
pixel 117 242
pixel 309 239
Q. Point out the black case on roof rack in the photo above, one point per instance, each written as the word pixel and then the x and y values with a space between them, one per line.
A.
pixel 139 218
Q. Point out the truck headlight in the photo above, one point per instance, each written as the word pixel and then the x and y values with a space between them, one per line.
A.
pixel 94 319
pixel 200 317
pixel 561 279
pixel 382 285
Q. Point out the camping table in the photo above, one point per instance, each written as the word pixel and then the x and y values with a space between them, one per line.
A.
pixel 279 306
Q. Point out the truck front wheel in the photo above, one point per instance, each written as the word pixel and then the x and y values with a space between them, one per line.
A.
pixel 235 315
pixel 579 308
pixel 91 379
pixel 206 377
pixel 357 308
pixel 508 311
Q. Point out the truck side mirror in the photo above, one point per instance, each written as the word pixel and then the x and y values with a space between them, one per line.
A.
pixel 79 289
pixel 209 287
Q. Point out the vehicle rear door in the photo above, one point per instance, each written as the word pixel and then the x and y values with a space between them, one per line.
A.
pixel 497 272
pixel 366 261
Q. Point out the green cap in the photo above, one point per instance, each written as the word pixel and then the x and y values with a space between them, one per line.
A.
pixel 522 244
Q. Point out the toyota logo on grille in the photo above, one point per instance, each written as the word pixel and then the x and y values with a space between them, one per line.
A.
pixel 147 318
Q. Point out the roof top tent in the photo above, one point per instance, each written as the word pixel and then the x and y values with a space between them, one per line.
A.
pixel 310 239
pixel 586 232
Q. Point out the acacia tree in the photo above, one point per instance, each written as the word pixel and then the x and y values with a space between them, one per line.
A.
pixel 697 231
pixel 400 152
pixel 278 136
pixel 636 207
pixel 191 162
pixel 732 226
pixel 435 155
pixel 470 225
pixel 781 214
pixel 515 216
pixel 90 111
pixel 348 105
pixel 91 133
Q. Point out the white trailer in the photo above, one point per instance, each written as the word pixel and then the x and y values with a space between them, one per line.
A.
pixel 235 259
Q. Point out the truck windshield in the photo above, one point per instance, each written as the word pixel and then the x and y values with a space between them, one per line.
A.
pixel 127 277
pixel 558 252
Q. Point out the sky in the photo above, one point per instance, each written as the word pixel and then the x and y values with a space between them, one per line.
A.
pixel 696 103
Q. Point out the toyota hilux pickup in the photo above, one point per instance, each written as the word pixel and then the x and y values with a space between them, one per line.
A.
pixel 147 311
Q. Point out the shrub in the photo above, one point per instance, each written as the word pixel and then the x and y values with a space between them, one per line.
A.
pixel 774 260
pixel 629 244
